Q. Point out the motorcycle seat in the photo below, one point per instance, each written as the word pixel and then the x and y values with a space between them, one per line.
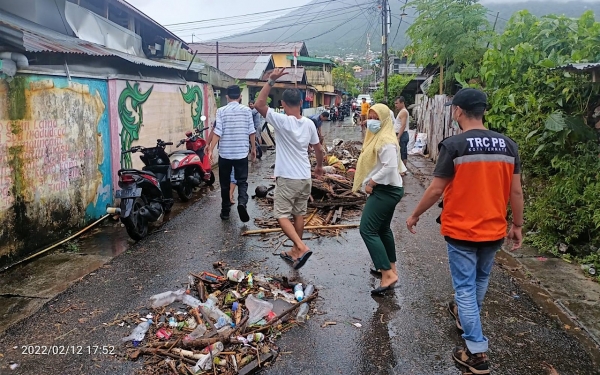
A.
pixel 182 152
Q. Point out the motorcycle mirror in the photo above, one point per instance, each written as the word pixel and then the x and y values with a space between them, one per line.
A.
pixel 203 118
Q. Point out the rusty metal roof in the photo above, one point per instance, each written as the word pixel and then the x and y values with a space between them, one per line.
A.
pixel 242 66
pixel 31 37
pixel 581 66
pixel 249 48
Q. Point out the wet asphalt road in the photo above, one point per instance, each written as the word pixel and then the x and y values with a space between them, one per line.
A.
pixel 408 332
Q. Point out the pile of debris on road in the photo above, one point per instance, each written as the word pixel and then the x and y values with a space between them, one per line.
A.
pixel 221 324
pixel 331 196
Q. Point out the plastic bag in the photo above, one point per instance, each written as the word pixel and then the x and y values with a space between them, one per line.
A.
pixel 420 144
pixel 166 298
pixel 257 308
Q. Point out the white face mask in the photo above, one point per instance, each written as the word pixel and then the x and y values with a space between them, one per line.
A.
pixel 374 126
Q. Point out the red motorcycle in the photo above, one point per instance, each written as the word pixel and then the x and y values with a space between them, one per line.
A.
pixel 191 167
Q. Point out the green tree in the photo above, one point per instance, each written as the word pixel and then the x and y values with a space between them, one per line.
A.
pixel 550 113
pixel 343 77
pixel 449 33
pixel 396 84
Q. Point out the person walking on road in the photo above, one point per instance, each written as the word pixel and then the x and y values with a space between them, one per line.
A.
pixel 257 118
pixel 234 127
pixel 292 165
pixel 364 110
pixel 479 173
pixel 377 174
pixel 402 121
pixel 318 121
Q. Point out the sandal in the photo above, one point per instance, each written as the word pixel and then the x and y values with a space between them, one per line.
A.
pixel 285 256
pixel 302 260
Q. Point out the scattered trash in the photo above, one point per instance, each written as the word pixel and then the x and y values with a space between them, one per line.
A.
pixel 357 325
pixel 235 275
pixel 139 332
pixel 551 369
pixel 13 366
pixel 563 247
pixel 328 324
pixel 589 268
pixel 231 332
pixel 542 259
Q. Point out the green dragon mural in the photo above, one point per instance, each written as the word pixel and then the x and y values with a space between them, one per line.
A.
pixel 131 123
pixel 192 96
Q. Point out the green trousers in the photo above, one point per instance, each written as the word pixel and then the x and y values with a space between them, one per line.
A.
pixel 375 225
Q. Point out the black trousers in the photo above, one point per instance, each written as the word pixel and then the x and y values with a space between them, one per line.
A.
pixel 240 171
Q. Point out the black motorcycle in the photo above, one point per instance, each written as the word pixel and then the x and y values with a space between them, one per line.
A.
pixel 356 117
pixel 333 116
pixel 341 114
pixel 145 194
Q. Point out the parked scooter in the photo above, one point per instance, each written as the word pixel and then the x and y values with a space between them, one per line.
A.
pixel 192 166
pixel 340 112
pixel 333 113
pixel 146 195
pixel 356 117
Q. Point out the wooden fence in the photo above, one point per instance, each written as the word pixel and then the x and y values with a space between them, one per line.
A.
pixel 435 119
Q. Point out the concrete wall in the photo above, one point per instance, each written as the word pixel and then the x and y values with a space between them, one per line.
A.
pixel 142 112
pixel 55 168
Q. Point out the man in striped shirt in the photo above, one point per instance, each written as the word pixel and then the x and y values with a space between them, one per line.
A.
pixel 235 134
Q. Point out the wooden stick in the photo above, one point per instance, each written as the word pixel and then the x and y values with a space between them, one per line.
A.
pixel 172 366
pixel 155 351
pixel 311 216
pixel 329 216
pixel 273 230
pixel 201 290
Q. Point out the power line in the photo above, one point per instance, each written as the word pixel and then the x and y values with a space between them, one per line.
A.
pixel 251 14
pixel 257 31
pixel 400 22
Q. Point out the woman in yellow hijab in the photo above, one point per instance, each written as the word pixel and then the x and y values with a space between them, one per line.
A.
pixel 378 174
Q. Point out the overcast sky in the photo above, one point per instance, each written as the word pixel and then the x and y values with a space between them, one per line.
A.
pixel 177 11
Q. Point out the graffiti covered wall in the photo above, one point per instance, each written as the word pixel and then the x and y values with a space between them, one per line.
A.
pixel 55 167
pixel 142 112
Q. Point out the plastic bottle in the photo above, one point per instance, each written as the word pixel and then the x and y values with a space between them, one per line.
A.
pixel 196 333
pixel 205 362
pixel 298 292
pixel 190 301
pixel 303 310
pixel 166 298
pixel 172 322
pixel 302 313
pixel 138 332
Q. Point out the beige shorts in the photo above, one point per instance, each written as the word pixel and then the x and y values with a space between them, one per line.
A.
pixel 291 197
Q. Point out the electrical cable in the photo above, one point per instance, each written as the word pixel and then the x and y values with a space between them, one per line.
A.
pixel 325 20
pixel 400 23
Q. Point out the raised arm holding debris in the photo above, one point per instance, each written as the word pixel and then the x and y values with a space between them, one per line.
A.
pixel 292 165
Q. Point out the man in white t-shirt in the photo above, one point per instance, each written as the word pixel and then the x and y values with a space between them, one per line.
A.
pixel 292 165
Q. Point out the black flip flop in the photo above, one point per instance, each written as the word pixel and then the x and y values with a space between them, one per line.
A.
pixel 302 260
pixel 285 256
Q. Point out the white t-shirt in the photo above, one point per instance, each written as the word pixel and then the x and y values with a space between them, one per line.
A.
pixel 291 149
pixel 396 122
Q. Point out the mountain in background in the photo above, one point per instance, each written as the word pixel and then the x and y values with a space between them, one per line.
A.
pixel 339 27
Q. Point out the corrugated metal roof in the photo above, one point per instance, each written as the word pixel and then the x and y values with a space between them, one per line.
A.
pixel 148 19
pixel 249 48
pixel 250 67
pixel 581 66
pixel 31 37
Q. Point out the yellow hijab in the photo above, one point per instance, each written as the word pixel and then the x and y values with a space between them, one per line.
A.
pixel 373 143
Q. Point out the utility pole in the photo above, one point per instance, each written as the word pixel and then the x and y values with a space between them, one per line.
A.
pixel 217 51
pixel 495 22
pixel 384 48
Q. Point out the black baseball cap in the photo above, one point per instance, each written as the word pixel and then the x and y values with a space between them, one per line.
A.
pixel 469 99
pixel 234 91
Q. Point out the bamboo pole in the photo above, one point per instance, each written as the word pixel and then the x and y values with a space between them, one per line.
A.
pixel 274 230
